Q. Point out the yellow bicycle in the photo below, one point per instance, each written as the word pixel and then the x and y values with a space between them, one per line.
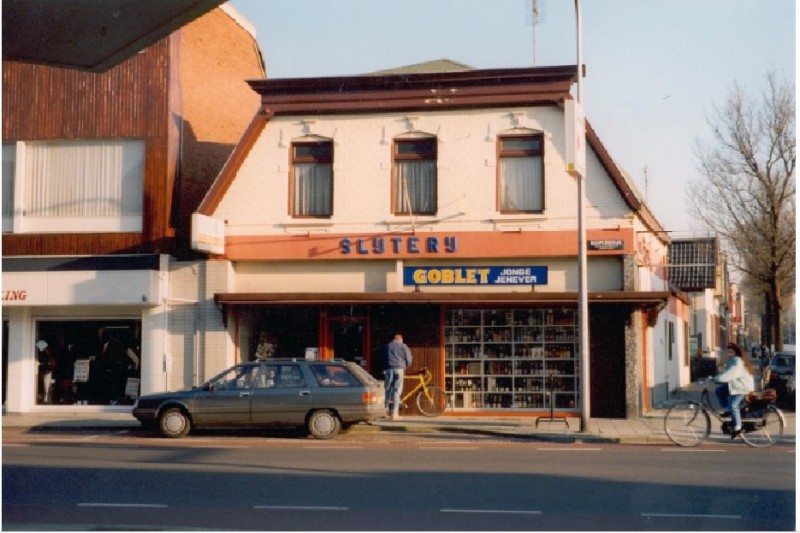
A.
pixel 431 399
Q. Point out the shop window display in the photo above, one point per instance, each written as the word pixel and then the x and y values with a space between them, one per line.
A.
pixel 512 358
pixel 88 362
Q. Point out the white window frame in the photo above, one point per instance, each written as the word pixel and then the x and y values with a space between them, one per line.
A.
pixel 21 222
pixel 10 158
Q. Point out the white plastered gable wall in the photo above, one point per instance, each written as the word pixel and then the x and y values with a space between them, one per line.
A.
pixel 256 202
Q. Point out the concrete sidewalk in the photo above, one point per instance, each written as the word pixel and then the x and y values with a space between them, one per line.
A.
pixel 648 429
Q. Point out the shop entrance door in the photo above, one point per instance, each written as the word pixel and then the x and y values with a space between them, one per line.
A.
pixel 347 338
pixel 607 361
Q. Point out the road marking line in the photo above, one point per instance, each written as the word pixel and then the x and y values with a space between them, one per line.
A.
pixel 554 449
pixel 691 450
pixel 489 511
pixel 301 507
pixel 322 447
pixel 447 448
pixel 146 505
pixel 687 515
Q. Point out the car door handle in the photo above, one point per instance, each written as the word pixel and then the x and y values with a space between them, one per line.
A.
pixel 243 394
pixel 305 392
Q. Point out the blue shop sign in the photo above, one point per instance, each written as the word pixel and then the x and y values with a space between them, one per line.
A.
pixel 495 275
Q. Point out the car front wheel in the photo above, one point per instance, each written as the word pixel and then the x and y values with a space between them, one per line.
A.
pixel 323 424
pixel 174 423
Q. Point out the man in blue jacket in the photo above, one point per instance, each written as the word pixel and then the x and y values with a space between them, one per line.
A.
pixel 396 358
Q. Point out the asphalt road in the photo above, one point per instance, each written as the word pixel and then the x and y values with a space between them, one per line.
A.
pixel 106 481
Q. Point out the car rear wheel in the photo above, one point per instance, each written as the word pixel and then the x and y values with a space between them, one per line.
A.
pixel 174 423
pixel 323 424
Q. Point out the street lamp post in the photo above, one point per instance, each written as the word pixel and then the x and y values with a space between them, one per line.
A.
pixel 583 295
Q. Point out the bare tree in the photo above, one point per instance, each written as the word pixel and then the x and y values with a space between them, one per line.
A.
pixel 747 191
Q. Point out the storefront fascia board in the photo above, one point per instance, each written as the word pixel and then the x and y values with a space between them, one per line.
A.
pixel 54 282
pixel 642 299
pixel 425 245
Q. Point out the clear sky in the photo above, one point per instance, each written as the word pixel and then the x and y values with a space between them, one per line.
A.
pixel 655 69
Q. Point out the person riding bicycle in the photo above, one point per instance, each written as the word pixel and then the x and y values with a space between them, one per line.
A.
pixel 396 358
pixel 736 381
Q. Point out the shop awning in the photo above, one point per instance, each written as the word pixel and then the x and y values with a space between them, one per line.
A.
pixel 640 298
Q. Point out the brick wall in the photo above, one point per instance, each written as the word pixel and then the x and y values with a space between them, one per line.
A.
pixel 214 109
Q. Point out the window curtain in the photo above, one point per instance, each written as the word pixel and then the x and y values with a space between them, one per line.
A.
pixel 521 186
pixel 415 187
pixel 84 179
pixel 312 189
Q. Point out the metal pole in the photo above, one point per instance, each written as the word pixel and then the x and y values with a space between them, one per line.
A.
pixel 583 296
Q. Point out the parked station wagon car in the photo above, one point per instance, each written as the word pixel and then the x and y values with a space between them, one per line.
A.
pixel 321 396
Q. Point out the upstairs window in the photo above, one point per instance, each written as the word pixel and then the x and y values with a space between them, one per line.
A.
pixel 414 182
pixel 73 186
pixel 521 174
pixel 312 179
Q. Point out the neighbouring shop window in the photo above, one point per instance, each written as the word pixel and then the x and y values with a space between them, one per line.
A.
pixel 312 179
pixel 521 174
pixel 278 332
pixel 512 359
pixel 414 187
pixel 88 362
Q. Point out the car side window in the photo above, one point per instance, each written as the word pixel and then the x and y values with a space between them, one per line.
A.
pixel 333 376
pixel 238 377
pixel 268 377
pixel 290 376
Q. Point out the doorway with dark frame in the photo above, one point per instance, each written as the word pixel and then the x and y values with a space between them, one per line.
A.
pixel 607 360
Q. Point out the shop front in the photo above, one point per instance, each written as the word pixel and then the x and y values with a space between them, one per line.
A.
pixel 81 331
pixel 496 353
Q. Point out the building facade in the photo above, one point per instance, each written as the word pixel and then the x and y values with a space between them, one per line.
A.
pixel 101 172
pixel 438 205
pixel 699 269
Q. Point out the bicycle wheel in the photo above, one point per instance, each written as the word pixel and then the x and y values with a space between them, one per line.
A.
pixel 687 424
pixel 431 402
pixel 768 428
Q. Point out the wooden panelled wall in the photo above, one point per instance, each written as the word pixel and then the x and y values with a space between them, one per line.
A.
pixel 131 101
pixel 420 326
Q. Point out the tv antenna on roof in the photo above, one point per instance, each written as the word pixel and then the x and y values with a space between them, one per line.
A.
pixel 533 20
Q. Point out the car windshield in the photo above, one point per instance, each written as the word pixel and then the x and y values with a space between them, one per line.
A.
pixel 784 360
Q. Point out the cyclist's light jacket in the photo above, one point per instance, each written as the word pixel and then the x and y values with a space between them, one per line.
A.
pixel 739 380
